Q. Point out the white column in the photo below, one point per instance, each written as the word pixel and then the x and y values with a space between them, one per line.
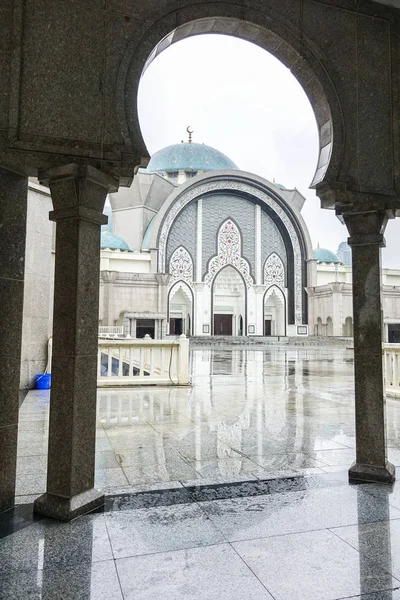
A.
pixel 258 243
pixel 199 240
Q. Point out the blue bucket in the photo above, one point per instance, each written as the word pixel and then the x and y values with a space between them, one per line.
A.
pixel 43 381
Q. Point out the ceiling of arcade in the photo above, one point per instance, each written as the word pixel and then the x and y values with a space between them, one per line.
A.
pixel 70 73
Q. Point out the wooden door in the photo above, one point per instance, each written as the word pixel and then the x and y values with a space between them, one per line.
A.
pixel 222 324
pixel 267 327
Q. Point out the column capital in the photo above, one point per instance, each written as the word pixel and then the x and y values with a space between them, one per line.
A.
pixel 78 171
pixel 366 227
pixel 163 278
pixel 108 276
pixel 336 195
pixel 78 192
pixel 78 212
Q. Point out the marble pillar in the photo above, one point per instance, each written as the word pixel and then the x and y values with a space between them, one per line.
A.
pixel 78 194
pixel 366 239
pixel 13 200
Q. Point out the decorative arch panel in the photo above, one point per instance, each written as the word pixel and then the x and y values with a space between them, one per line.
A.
pixel 229 252
pixel 181 266
pixel 274 271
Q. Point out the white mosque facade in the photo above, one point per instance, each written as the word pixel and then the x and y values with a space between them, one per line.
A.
pixel 197 246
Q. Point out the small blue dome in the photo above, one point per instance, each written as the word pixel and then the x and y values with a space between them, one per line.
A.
pixel 323 255
pixel 189 157
pixel 113 242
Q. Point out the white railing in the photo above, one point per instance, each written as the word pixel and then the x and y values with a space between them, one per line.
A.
pixel 111 330
pixel 391 367
pixel 143 362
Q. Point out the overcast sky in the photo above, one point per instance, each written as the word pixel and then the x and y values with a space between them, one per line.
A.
pixel 244 102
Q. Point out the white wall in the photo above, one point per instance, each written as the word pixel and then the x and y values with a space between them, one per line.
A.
pixel 39 284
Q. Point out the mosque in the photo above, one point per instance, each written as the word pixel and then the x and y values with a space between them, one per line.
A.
pixel 199 247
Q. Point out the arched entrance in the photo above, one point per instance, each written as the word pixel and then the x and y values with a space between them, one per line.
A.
pixel 228 302
pixel 274 312
pixel 180 309
pixel 348 327
pixel 293 51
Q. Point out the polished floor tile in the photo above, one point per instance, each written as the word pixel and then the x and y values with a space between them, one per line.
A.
pixel 377 542
pixel 96 581
pixel 311 565
pixel 48 544
pixel 145 531
pixel 194 574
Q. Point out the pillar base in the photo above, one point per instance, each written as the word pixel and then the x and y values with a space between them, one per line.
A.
pixel 371 473
pixel 66 509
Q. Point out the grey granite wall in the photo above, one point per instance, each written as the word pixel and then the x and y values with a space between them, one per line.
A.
pixel 216 209
pixel 271 240
pixel 39 280
pixel 183 233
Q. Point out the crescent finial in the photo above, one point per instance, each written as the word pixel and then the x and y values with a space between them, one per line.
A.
pixel 190 131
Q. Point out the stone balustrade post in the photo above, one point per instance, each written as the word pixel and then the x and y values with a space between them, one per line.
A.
pixel 13 202
pixel 183 360
pixel 78 194
pixel 366 239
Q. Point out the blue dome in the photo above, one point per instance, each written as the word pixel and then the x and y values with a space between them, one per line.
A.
pixel 325 256
pixel 113 242
pixel 189 157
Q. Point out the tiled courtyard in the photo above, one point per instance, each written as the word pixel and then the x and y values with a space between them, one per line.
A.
pixel 249 414
pixel 194 509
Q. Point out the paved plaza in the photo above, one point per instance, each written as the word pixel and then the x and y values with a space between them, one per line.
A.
pixel 233 488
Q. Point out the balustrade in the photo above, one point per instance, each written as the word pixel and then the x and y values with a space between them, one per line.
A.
pixel 130 362
pixel 391 363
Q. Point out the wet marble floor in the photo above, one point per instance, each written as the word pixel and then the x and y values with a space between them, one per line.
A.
pixel 249 414
pixel 233 488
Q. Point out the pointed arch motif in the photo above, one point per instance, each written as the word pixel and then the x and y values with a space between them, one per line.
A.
pixel 276 291
pixel 180 285
pixel 229 244
pixel 274 271
pixel 181 266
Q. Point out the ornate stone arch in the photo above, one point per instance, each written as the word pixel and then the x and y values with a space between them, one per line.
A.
pixel 269 28
pixel 274 289
pixel 274 271
pixel 239 184
pixel 181 266
pixel 229 252
pixel 188 292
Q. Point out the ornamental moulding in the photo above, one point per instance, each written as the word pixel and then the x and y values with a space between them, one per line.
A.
pixel 181 266
pixel 229 254
pixel 237 186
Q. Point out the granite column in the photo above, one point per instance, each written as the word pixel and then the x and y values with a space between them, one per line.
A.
pixel 366 239
pixel 78 194
pixel 13 199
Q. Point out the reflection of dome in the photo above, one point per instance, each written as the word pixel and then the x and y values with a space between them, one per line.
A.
pixel 113 242
pixel 189 157
pixel 325 256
